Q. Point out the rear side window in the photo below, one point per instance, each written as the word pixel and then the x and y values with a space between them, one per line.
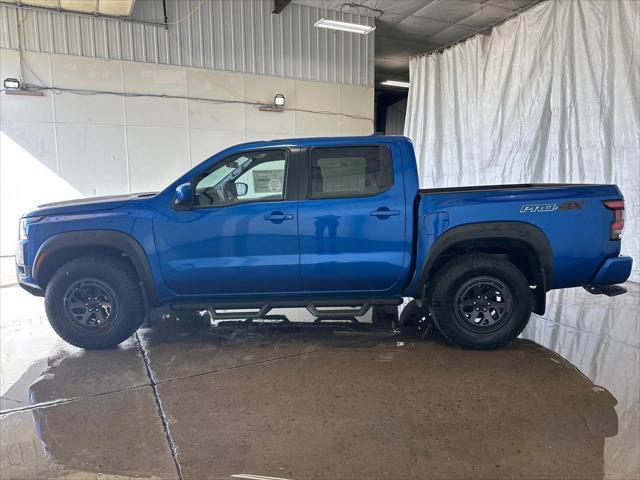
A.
pixel 349 172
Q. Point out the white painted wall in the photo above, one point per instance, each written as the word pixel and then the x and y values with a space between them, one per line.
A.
pixel 56 147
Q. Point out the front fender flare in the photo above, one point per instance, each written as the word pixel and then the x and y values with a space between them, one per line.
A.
pixel 97 238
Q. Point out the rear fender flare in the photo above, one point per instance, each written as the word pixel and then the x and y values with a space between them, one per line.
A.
pixel 526 233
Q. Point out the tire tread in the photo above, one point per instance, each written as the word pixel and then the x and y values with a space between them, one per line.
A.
pixel 126 281
pixel 452 270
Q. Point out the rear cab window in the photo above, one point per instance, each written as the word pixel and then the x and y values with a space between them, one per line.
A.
pixel 336 172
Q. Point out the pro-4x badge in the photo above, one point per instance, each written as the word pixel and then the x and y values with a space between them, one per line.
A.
pixel 539 207
pixel 552 207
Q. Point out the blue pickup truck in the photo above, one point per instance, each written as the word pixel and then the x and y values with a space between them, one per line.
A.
pixel 336 225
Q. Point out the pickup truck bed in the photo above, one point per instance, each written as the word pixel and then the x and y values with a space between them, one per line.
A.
pixel 511 186
pixel 320 223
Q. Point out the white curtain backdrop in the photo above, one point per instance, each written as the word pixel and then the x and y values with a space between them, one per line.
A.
pixel 552 95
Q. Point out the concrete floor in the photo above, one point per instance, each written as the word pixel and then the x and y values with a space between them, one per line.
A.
pixel 181 401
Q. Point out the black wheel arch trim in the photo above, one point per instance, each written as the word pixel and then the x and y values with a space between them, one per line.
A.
pixel 524 232
pixel 112 239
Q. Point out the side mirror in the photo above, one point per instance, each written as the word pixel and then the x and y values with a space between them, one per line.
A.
pixel 184 196
pixel 241 189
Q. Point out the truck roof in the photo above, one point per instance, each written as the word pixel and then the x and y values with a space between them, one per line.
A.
pixel 361 139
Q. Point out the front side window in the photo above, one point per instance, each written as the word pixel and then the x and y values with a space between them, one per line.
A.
pixel 248 177
pixel 349 172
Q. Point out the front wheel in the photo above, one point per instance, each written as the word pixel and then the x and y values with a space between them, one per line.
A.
pixel 94 302
pixel 480 301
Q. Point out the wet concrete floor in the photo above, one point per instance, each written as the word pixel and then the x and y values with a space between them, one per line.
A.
pixel 181 401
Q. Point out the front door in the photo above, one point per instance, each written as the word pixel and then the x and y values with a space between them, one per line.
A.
pixel 241 235
pixel 352 221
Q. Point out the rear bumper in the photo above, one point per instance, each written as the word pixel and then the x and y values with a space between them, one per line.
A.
pixel 613 270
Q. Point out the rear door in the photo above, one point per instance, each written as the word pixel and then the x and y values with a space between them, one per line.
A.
pixel 351 219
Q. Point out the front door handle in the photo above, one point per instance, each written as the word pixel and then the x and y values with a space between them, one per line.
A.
pixel 384 212
pixel 277 217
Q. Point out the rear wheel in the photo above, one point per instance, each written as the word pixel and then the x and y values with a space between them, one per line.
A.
pixel 94 302
pixel 480 301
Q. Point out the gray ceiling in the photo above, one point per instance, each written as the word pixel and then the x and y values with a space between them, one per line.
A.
pixel 411 27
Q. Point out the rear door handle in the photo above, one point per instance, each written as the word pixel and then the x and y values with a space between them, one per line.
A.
pixel 278 216
pixel 384 212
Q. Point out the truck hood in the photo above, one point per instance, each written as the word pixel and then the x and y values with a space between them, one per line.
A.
pixel 81 205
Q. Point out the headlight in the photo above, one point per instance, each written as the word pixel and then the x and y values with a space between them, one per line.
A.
pixel 22 232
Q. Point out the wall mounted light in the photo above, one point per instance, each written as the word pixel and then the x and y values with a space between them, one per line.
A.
pixel 276 106
pixel 278 100
pixel 13 86
pixel 11 83
pixel 344 26
pixel 395 83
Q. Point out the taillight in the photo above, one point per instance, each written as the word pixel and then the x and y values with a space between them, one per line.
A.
pixel 617 225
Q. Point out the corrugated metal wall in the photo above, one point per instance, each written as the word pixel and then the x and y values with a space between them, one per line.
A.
pixel 232 35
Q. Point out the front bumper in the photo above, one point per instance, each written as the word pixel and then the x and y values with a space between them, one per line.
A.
pixel 22 271
pixel 613 270
pixel 32 289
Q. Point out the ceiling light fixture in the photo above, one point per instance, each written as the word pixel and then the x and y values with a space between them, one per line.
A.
pixel 344 26
pixel 395 83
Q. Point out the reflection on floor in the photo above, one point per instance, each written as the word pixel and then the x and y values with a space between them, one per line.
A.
pixel 601 337
pixel 324 402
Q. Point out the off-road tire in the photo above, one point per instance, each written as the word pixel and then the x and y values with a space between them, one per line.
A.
pixel 122 280
pixel 453 275
pixel 412 314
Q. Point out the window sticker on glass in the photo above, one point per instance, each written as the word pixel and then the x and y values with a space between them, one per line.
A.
pixel 265 181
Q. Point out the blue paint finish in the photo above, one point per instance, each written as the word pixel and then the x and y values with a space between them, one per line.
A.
pixel 229 250
pixel 579 238
pixel 355 244
pixel 332 248
pixel 613 270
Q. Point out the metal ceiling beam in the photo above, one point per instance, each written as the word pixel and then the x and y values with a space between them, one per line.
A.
pixel 280 5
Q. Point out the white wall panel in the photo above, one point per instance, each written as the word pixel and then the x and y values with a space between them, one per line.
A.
pixel 93 157
pixel 96 74
pixel 262 89
pixel 231 35
pixel 33 139
pixel 40 109
pixel 106 144
pixel 221 85
pixel 157 156
pixel 318 97
pixel 157 80
pixel 204 143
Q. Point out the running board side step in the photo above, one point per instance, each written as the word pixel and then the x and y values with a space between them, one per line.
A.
pixel 319 312
pixel 608 290
pixel 332 312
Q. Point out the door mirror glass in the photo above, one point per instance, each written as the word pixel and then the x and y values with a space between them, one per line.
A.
pixel 184 195
pixel 241 189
